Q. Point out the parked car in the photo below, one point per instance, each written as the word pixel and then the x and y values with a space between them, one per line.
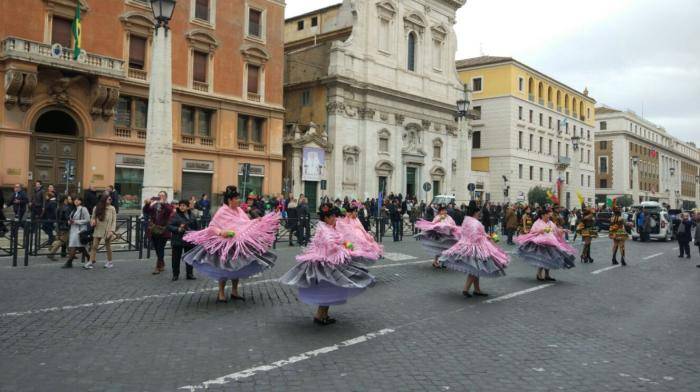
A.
pixel 602 220
pixel 661 228
pixel 443 199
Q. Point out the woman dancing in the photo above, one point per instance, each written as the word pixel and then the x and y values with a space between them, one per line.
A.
pixel 439 235
pixel 475 253
pixel 618 235
pixel 367 249
pixel 233 246
pixel 545 248
pixel 326 273
pixel 588 232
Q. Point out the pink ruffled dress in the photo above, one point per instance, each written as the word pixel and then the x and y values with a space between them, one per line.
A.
pixel 366 249
pixel 544 247
pixel 439 235
pixel 243 255
pixel 326 273
pixel 475 253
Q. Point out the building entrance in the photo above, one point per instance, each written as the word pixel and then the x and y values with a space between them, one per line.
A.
pixel 55 144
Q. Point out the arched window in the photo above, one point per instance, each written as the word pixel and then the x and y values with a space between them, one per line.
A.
pixel 549 94
pixel 411 61
pixel 558 101
pixel 574 106
pixel 540 92
pixel 566 103
pixel 531 89
pixel 56 122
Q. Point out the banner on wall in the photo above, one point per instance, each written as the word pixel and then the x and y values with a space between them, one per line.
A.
pixel 312 162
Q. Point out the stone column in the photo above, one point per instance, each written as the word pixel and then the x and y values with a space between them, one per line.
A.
pixel 297 185
pixel 464 160
pixel 635 183
pixel 158 167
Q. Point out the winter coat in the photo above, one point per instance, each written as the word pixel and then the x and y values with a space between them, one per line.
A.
pixel 108 224
pixel 81 220
pixel 175 227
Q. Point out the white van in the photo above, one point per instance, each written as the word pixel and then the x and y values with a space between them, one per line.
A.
pixel 661 228
pixel 443 199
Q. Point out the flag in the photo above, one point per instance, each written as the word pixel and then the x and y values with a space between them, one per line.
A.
pixel 610 201
pixel 581 200
pixel 77 32
pixel 552 197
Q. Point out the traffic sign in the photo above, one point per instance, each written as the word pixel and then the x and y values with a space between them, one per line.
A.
pixel 427 186
pixel 471 187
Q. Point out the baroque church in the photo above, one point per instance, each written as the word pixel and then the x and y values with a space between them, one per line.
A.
pixel 371 86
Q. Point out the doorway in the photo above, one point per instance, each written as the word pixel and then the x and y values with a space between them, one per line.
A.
pixel 311 193
pixel 55 144
pixel 410 181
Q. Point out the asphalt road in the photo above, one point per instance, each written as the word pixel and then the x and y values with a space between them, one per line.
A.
pixel 631 328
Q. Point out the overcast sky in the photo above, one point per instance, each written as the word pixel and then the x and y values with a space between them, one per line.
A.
pixel 642 55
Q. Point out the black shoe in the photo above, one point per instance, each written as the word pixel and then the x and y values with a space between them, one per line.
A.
pixel 175 278
pixel 622 261
pixel 680 256
pixel 590 259
pixel 614 261
pixel 191 277
pixel 480 294
pixel 466 294
pixel 325 321
pixel 221 301
pixel 68 264
pixel 237 298
pixel 549 279
pixel 687 257
pixel 540 279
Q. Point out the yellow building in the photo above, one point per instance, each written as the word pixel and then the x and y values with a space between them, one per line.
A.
pixel 530 129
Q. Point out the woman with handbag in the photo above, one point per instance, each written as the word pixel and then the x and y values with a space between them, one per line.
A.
pixel 182 222
pixel 104 223
pixel 158 211
pixel 79 226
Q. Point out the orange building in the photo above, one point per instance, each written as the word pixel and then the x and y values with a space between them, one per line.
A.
pixel 91 111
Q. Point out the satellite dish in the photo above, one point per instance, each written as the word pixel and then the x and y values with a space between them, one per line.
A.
pixel 56 50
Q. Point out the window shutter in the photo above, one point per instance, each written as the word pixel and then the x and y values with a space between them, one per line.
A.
pixel 137 52
pixel 201 10
pixel 187 126
pixel 61 31
pixel 254 19
pixel 199 68
pixel 242 128
pixel 253 78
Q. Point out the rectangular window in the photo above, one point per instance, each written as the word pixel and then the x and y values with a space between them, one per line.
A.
pixel 550 175
pixel 476 139
pixel 477 112
pixel 520 112
pixel 558 125
pixel 199 67
pixel 254 23
pixel 437 151
pixel 541 174
pixel 541 120
pixel 253 79
pixel 588 156
pixel 558 148
pixel 589 134
pixel 204 122
pixel 141 113
pixel 541 149
pixel 532 138
pixel 383 144
pixel 201 10
pixel 582 178
pixel 589 182
pixel 531 114
pixel 603 183
pixel 520 171
pixel 550 123
pixel 567 178
pixel 549 149
pixel 383 35
pixel 531 171
pixel 603 125
pixel 521 84
pixel 306 98
pixel 137 52
pixel 256 133
pixel 567 150
pixel 61 31
pixel 603 145
pixel 603 164
pixel 314 21
pixel 300 25
pixel 520 139
pixel 187 126
pixel 242 133
pixel 477 84
pixel 437 54
pixel 123 116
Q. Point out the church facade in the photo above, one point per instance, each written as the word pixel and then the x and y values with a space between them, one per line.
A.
pixel 371 87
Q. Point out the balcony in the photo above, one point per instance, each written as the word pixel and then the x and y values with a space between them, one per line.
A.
pixel 254 97
pixel 40 53
pixel 126 133
pixel 200 86
pixel 138 74
pixel 205 141
pixel 563 162
pixel 243 146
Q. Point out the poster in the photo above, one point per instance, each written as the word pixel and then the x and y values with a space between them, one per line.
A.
pixel 313 161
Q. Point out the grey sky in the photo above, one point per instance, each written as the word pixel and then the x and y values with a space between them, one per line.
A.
pixel 642 55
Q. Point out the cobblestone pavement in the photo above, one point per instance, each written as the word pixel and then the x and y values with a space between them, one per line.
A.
pixel 620 329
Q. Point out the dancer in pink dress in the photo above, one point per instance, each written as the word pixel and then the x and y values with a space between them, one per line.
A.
pixel 475 253
pixel 326 273
pixel 544 247
pixel 352 230
pixel 439 235
pixel 233 246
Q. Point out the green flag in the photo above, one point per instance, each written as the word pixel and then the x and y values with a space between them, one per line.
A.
pixel 77 32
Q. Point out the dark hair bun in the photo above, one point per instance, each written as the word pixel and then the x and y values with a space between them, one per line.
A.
pixel 326 210
pixel 230 193
pixel 472 208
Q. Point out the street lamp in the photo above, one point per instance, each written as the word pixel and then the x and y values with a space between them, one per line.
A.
pixel 158 160
pixel 575 140
pixel 635 160
pixel 463 104
pixel 163 11
pixel 672 170
pixel 464 146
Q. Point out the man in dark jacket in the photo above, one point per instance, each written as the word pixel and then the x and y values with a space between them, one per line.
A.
pixel 180 223
pixel 19 202
pixel 684 234
pixel 112 193
pixel 302 221
pixel 511 224
pixel 486 217
pixel 65 210
pixel 90 198
pixel 38 200
pixel 395 214
pixel 50 214
pixel 292 222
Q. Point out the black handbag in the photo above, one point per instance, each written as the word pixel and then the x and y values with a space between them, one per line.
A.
pixel 86 236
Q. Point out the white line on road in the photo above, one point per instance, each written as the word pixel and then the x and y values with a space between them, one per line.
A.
pixel 652 256
pixel 284 362
pixel 604 269
pixel 518 293
pixel 398 264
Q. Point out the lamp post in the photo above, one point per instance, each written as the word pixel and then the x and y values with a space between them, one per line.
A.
pixel 635 179
pixel 672 187
pixel 463 163
pixel 158 162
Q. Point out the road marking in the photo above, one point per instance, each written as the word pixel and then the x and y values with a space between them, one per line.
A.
pixel 676 248
pixel 285 362
pixel 398 256
pixel 398 264
pixel 604 269
pixel 652 256
pixel 518 293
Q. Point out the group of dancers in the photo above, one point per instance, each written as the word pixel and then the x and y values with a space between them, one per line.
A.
pixel 333 267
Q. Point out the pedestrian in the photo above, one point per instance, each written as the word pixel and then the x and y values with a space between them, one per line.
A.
pixel 544 247
pixel 327 273
pixel 19 202
pixel 3 229
pixel 475 253
pixel 697 233
pixel 158 212
pixel 486 217
pixel 588 231
pixel 234 246
pixel 104 223
pixel 526 220
pixel 36 205
pixel 63 227
pixel 49 216
pixel 79 223
pixel 573 222
pixel 204 205
pixel 90 198
pixel 684 235
pixel 181 222
pixel 438 235
pixel 292 221
pixel 367 250
pixel 511 224
pixel 302 222
pixel 112 193
pixel 395 217
pixel 618 235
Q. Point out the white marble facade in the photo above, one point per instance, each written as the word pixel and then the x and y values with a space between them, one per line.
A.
pixel 391 118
